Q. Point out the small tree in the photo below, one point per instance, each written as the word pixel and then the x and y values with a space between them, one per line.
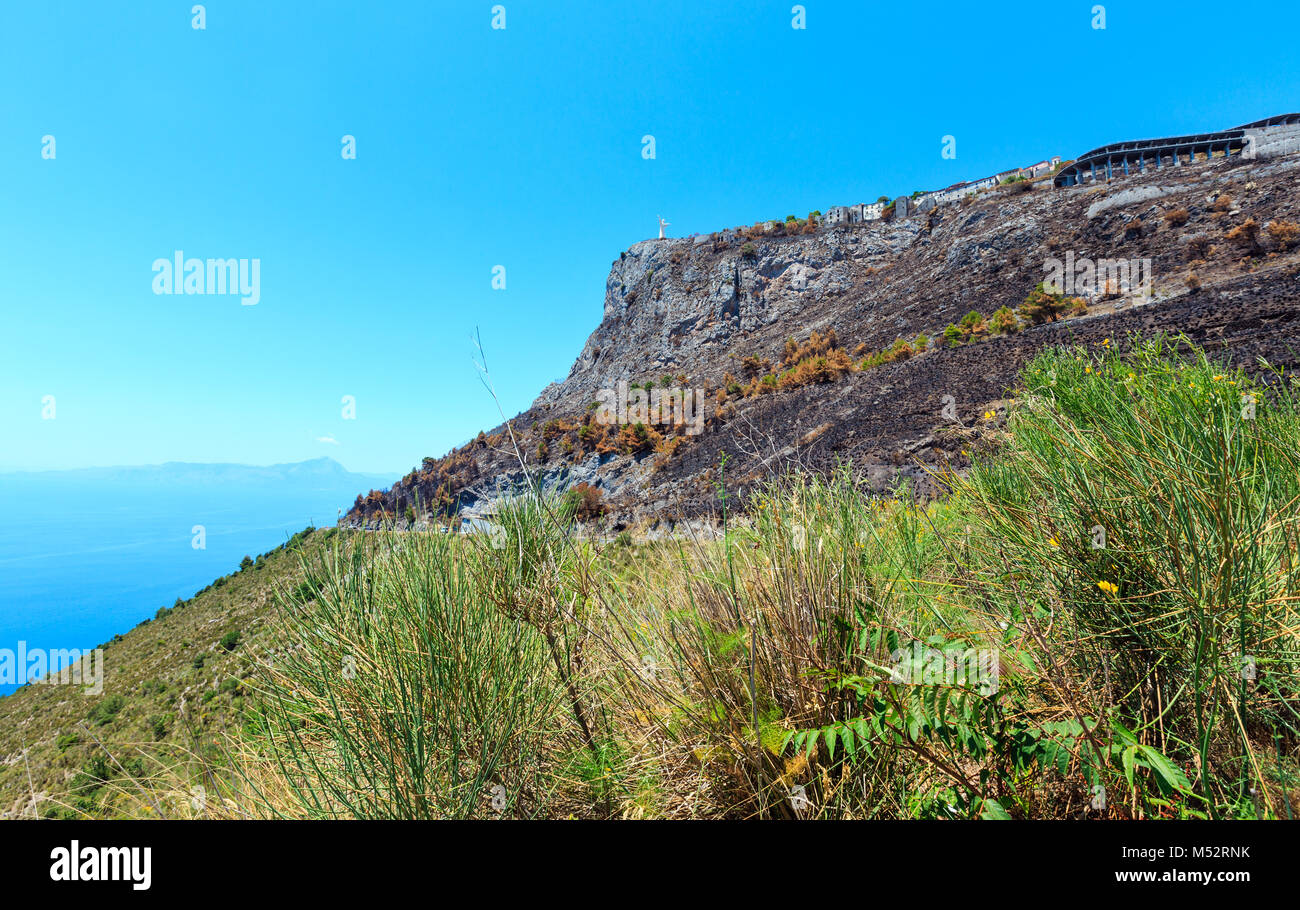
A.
pixel 972 324
pixel 1003 322
pixel 1042 306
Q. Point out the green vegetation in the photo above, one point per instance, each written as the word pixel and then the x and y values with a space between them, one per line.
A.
pixel 1040 306
pixel 901 349
pixel 145 741
pixel 1098 620
pixel 1087 601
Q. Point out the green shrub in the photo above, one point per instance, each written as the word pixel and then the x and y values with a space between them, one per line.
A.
pixel 1043 305
pixel 972 322
pixel 1003 322
pixel 93 774
pixel 1146 512
pixel 106 709
pixel 159 725
pixel 431 681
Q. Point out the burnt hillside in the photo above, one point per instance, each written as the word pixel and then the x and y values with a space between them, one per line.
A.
pixel 818 345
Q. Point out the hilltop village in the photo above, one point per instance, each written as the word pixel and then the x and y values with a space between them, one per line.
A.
pixel 1270 137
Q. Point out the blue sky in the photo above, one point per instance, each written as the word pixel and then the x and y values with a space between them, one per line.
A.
pixel 478 147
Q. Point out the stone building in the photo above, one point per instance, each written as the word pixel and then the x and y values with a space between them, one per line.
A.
pixel 853 214
pixel 924 202
pixel 1042 167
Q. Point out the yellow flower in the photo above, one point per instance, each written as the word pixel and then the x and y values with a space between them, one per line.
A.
pixel 1087 369
pixel 989 415
pixel 1108 587
pixel 1106 343
pixel 1052 541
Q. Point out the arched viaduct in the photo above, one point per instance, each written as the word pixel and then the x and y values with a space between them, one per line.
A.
pixel 1124 158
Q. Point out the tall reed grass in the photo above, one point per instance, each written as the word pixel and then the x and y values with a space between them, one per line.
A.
pixel 1119 567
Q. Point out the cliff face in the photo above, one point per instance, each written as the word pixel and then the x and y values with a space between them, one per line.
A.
pixel 678 305
pixel 718 314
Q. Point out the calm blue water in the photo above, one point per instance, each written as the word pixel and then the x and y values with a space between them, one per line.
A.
pixel 85 557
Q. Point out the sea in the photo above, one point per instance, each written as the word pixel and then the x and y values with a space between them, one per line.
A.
pixel 88 554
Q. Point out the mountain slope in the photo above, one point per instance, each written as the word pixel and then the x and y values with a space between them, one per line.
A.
pixel 719 313
pixel 173 688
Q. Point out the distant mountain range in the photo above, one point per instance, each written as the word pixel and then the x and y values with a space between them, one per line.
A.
pixel 316 473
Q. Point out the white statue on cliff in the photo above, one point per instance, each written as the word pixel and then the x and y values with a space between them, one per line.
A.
pixel 662 224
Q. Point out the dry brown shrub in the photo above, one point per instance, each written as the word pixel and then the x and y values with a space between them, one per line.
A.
pixel 1246 237
pixel 1284 233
